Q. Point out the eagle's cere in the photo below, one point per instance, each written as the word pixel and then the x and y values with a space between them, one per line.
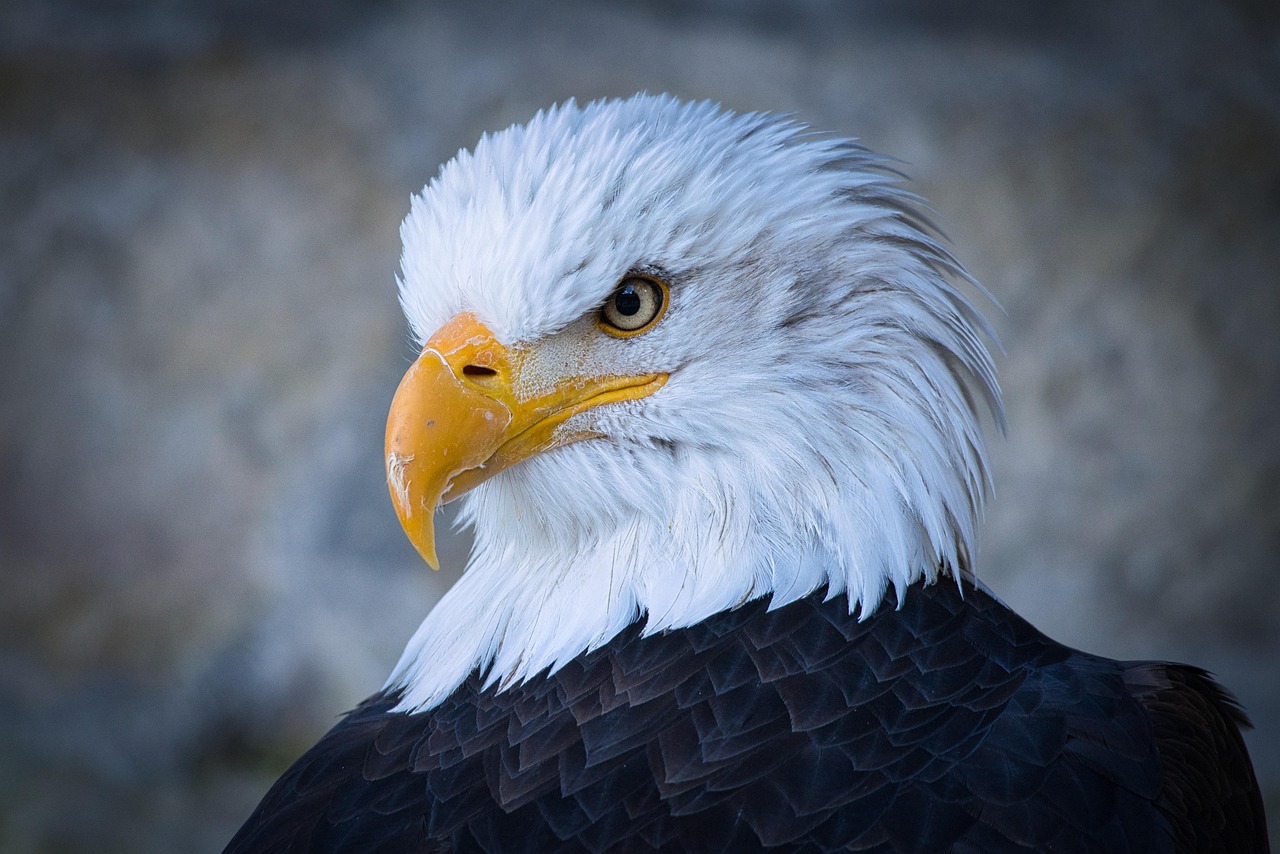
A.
pixel 710 393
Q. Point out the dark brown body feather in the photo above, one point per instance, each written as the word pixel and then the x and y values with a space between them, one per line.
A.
pixel 1208 791
pixel 947 724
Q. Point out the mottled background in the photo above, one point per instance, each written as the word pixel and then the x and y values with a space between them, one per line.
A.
pixel 199 338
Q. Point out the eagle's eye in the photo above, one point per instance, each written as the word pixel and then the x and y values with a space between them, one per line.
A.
pixel 635 306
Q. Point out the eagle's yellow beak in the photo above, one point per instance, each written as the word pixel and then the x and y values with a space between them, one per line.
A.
pixel 465 412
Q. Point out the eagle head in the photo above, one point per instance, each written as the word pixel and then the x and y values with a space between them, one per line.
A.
pixel 675 359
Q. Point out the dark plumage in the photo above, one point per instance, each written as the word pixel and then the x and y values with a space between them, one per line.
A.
pixel 947 724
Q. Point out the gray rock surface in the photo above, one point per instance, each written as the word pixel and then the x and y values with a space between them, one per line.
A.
pixel 199 334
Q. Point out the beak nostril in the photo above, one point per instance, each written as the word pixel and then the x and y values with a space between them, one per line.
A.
pixel 478 371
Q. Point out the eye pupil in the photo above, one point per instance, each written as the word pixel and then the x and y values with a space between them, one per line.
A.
pixel 627 301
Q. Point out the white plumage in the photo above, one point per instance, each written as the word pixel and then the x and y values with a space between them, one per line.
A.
pixel 817 426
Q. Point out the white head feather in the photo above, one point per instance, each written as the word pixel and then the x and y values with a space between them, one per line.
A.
pixel 817 427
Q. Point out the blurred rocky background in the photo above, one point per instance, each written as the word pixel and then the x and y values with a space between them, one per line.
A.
pixel 199 338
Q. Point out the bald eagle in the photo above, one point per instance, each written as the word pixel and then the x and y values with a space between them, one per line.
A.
pixel 710 392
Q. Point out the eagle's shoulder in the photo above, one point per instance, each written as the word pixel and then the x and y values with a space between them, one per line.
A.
pixel 1209 793
pixel 946 721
